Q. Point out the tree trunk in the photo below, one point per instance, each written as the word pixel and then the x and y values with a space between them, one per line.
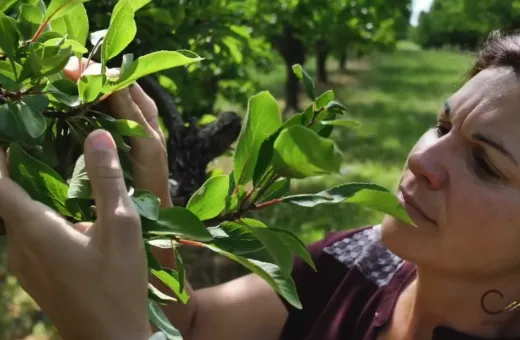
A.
pixel 343 60
pixel 292 89
pixel 190 148
pixel 292 51
pixel 322 52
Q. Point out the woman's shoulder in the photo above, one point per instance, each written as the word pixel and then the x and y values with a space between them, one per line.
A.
pixel 354 270
pixel 361 250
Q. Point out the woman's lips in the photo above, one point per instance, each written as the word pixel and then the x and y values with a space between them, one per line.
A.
pixel 413 208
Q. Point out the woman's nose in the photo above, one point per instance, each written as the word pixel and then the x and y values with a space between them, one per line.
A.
pixel 425 163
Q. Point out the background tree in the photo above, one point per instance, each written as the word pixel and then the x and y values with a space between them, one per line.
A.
pixel 465 23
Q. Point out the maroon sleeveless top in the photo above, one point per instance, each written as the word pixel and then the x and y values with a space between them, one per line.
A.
pixel 354 291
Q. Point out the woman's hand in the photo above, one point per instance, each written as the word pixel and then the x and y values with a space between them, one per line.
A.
pixel 91 279
pixel 149 155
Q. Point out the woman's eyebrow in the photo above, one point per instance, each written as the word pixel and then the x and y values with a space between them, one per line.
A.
pixel 447 108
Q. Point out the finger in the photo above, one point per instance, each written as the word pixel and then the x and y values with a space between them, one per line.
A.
pixel 123 106
pixel 75 68
pixel 84 227
pixel 146 105
pixel 105 174
pixel 95 68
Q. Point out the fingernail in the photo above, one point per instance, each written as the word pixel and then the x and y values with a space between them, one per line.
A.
pixel 101 140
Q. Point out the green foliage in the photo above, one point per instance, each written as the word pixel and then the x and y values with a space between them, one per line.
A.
pixel 223 31
pixel 465 23
pixel 49 112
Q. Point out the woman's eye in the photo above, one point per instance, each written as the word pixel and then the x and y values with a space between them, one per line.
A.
pixel 482 166
pixel 442 128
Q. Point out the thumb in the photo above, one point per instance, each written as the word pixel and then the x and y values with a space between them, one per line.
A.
pixel 105 174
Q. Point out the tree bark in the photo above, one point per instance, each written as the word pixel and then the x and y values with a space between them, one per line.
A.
pixel 343 60
pixel 190 148
pixel 292 50
pixel 322 52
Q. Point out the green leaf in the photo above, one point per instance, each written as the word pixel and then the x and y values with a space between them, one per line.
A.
pixel 60 8
pixel 152 63
pixel 150 258
pixel 324 130
pixel 300 153
pixel 336 107
pixel 235 238
pixel 177 221
pixel 179 266
pixel 210 199
pixel 10 126
pixel 79 194
pixel 308 83
pixel 324 99
pixel 75 24
pixel 49 147
pixel 30 112
pixel 29 20
pixel 171 279
pixel 263 119
pixel 65 91
pixel 342 122
pixel 75 46
pixel 365 194
pixel 6 4
pixel 274 245
pixel 159 319
pixel 89 87
pixel 234 48
pixel 7 75
pixel 276 190
pixel 152 262
pixel 294 244
pixel 120 143
pixel 158 296
pixel 10 36
pixel 298 71
pixel 265 156
pixel 280 243
pixel 40 181
pixel 121 32
pixel 46 60
pixel 269 272
pixel 79 186
pixel 128 59
pixel 147 204
pixel 49 35
pixel 138 4
pixel 123 127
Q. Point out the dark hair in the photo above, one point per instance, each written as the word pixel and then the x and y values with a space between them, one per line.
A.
pixel 500 49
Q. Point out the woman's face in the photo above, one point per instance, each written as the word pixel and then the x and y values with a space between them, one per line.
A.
pixel 465 177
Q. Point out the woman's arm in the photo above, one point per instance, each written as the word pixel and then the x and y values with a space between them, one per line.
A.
pixel 244 308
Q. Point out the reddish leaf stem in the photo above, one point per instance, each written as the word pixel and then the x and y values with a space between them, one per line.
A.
pixel 46 22
pixel 268 203
pixel 190 243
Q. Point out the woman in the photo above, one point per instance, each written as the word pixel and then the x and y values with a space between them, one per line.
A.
pixel 450 277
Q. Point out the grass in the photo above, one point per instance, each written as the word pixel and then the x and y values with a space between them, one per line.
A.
pixel 396 98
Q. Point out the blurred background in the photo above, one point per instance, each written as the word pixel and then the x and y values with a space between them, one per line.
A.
pixel 390 62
